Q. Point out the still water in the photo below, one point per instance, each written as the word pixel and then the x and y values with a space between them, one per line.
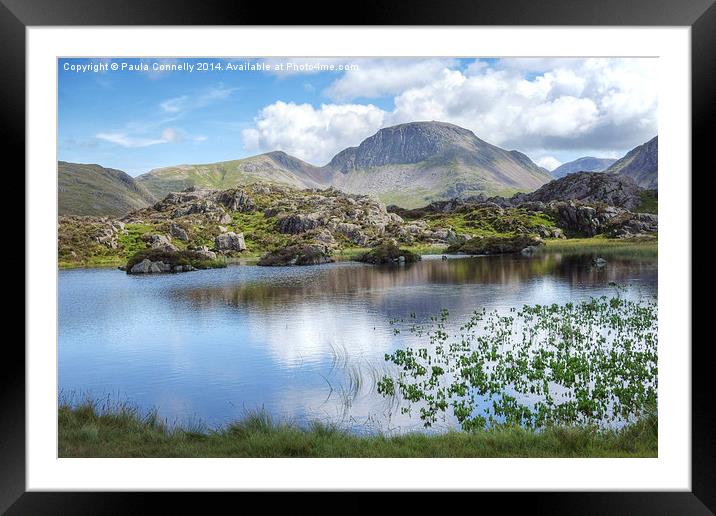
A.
pixel 302 343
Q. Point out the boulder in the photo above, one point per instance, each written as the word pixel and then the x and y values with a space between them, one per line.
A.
pixel 205 253
pixel 599 262
pixel 236 200
pixel 142 267
pixel 294 224
pixel 353 233
pixel 160 242
pixel 230 242
pixel 179 233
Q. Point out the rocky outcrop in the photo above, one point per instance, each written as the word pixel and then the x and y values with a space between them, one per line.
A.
pixel 611 221
pixel 587 187
pixel 297 254
pixel 230 242
pixel 160 242
pixel 155 261
pixel 388 252
pixel 295 224
pixel 147 266
pixel 497 245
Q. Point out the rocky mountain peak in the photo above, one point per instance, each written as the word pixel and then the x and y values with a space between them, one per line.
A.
pixel 404 144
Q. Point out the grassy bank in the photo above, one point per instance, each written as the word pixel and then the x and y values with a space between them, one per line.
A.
pixel 88 431
pixel 646 247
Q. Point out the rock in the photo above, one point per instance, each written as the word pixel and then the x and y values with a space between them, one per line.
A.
pixel 160 242
pixel 395 218
pixel 387 252
pixel 160 267
pixel 529 250
pixel 353 233
pixel 230 242
pixel 225 218
pixel 178 232
pixel 205 253
pixel 297 254
pixel 142 267
pixel 589 187
pixel 599 262
pixel 446 236
pixel 496 245
pixel 236 200
pixel 294 224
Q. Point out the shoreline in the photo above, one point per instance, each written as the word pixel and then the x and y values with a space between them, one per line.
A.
pixel 648 246
pixel 87 431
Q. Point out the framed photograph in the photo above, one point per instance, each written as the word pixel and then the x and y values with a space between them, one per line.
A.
pixel 440 250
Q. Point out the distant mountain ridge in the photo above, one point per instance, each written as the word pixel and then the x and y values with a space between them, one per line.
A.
pixel 641 164
pixel 273 167
pixel 585 164
pixel 409 165
pixel 89 189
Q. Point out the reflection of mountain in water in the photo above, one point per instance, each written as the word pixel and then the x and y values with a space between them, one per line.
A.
pixel 347 280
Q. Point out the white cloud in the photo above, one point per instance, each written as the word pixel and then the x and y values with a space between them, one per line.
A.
pixel 187 102
pixel 312 134
pixel 378 77
pixel 540 106
pixel 168 135
pixel 128 141
pixel 548 162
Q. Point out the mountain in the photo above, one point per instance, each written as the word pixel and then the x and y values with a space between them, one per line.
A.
pixel 272 167
pixel 586 164
pixel 412 164
pixel 94 190
pixel 641 164
pixel 408 165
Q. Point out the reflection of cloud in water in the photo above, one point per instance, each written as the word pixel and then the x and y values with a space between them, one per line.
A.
pixel 316 332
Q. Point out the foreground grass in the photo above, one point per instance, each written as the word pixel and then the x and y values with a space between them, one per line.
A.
pixel 88 431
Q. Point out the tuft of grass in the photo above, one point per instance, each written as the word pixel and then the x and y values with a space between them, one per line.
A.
pixel 89 430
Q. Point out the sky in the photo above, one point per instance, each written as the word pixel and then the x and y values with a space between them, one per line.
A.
pixel 139 114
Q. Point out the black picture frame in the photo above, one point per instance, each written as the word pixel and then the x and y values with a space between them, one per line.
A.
pixel 17 15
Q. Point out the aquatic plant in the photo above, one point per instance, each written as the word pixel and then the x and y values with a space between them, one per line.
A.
pixel 590 363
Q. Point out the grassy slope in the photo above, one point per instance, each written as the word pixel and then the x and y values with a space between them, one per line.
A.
pixel 86 431
pixel 94 190
pixel 223 175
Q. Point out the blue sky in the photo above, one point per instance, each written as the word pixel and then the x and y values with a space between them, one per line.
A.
pixel 161 113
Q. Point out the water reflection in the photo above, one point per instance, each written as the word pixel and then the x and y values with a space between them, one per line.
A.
pixel 352 280
pixel 298 342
